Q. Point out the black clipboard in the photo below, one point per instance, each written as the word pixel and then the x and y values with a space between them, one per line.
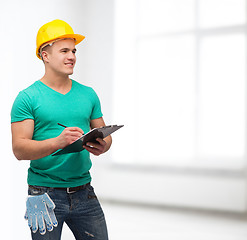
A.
pixel 91 136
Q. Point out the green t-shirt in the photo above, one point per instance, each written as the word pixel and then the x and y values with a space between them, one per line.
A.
pixel 47 108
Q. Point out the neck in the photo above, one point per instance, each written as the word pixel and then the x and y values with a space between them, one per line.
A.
pixel 55 80
pixel 58 83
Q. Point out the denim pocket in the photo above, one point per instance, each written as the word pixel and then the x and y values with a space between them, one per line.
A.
pixel 91 193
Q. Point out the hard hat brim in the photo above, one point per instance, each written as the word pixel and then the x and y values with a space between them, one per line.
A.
pixel 78 38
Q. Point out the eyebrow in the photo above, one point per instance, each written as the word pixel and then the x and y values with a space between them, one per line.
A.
pixel 67 49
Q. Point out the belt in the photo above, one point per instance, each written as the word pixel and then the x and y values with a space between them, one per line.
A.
pixel 74 189
pixel 68 190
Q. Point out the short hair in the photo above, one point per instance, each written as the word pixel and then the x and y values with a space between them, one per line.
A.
pixel 46 48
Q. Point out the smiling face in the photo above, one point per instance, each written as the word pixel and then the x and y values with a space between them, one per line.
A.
pixel 60 57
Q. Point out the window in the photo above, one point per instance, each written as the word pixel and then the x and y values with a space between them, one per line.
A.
pixel 179 83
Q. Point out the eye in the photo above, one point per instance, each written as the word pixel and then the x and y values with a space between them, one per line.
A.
pixel 74 51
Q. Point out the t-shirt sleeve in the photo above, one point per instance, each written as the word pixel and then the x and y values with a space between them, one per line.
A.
pixel 22 108
pixel 96 111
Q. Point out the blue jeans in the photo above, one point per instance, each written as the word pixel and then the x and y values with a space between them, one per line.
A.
pixel 80 210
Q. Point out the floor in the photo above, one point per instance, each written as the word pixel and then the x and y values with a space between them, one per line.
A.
pixel 136 222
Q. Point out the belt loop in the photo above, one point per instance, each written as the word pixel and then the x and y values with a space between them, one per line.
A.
pixel 69 192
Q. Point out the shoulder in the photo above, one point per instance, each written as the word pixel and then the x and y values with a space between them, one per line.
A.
pixel 80 85
pixel 83 88
pixel 22 107
pixel 30 91
pixel 27 96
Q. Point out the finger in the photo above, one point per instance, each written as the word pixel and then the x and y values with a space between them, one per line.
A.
pixel 90 145
pixel 30 221
pixel 26 215
pixel 98 146
pixel 49 224
pixel 47 220
pixel 41 223
pixel 92 150
pixel 53 217
pixel 75 129
pixel 73 136
pixel 75 133
pixel 101 141
pixel 27 207
pixel 93 144
pixel 48 201
pixel 34 224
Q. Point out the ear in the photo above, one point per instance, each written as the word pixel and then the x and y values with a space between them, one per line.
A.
pixel 45 56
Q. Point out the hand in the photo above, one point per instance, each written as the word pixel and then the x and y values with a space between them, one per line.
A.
pixel 40 211
pixel 68 136
pixel 96 148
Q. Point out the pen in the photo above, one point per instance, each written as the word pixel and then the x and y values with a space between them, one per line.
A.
pixel 65 126
pixel 61 125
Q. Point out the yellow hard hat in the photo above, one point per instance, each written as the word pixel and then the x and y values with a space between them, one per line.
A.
pixel 54 30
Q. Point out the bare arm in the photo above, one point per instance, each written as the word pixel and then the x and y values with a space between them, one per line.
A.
pixel 103 145
pixel 25 148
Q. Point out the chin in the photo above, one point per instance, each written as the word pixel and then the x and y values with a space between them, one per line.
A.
pixel 69 72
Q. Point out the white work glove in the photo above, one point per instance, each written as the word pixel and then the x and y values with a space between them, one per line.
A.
pixel 40 213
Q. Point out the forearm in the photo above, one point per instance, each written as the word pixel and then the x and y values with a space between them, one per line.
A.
pixel 26 149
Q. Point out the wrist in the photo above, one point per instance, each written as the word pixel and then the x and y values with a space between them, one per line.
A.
pixel 55 144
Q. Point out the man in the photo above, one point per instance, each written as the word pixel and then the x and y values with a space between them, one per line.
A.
pixel 60 183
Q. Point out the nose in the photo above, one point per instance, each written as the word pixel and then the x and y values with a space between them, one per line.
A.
pixel 71 55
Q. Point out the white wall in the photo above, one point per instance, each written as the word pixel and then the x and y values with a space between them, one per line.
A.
pixel 97 68
pixel 194 188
